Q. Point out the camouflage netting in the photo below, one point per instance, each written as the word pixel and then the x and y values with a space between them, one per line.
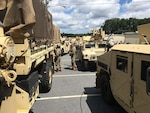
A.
pixel 27 16
pixel 44 26
pixel 16 12
pixel 56 37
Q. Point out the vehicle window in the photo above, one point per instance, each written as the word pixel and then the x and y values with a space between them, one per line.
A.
pixel 122 63
pixel 101 45
pixel 89 45
pixel 144 66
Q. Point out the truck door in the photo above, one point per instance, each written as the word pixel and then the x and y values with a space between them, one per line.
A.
pixel 141 99
pixel 121 63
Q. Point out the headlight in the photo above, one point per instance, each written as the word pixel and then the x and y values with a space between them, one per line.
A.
pixel 85 56
pixel 93 57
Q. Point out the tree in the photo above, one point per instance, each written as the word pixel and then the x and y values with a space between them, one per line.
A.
pixel 122 25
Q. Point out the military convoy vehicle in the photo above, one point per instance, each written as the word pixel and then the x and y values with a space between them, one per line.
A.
pixel 26 53
pixel 123 74
pixel 144 31
pixel 65 45
pixel 90 48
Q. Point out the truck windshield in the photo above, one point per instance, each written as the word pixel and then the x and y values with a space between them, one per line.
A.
pixel 101 45
pixel 89 45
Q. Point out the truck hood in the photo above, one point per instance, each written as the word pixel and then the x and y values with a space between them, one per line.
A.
pixel 93 51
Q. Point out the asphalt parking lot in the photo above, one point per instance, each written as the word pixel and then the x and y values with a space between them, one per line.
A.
pixel 73 92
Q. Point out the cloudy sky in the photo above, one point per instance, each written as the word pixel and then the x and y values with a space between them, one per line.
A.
pixel 81 16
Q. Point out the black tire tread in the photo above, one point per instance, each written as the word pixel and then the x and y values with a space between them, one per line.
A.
pixel 106 89
pixel 45 85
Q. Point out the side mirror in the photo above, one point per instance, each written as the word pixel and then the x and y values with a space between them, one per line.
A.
pixel 148 81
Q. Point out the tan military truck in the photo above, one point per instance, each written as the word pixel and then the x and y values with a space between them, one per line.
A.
pixel 65 45
pixel 123 74
pixel 91 47
pixel 144 31
pixel 87 54
pixel 26 54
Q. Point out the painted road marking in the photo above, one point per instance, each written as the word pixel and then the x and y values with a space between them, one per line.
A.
pixel 67 97
pixel 77 75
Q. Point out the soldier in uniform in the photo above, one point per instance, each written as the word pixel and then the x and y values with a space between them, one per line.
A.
pixel 57 59
pixel 72 53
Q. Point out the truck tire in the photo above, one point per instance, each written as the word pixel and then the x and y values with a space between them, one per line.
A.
pixel 46 76
pixel 106 89
pixel 97 82
pixel 85 64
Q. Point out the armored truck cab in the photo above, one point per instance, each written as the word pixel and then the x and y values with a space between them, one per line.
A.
pixel 123 74
pixel 88 53
pixel 65 46
pixel 92 47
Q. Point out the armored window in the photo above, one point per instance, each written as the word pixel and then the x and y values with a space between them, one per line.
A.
pixel 101 45
pixel 122 63
pixel 89 45
pixel 144 66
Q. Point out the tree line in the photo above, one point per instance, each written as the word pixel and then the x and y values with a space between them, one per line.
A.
pixel 117 25
pixel 74 35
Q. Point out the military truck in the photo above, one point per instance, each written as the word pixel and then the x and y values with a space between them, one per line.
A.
pixel 91 47
pixel 65 45
pixel 123 74
pixel 144 31
pixel 26 53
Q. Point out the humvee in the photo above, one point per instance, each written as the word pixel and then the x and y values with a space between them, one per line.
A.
pixel 123 74
pixel 65 46
pixel 92 46
pixel 87 54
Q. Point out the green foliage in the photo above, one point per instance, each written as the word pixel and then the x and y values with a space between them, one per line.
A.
pixel 74 35
pixel 117 25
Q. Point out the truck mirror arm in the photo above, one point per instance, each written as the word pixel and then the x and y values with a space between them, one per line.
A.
pixel 145 38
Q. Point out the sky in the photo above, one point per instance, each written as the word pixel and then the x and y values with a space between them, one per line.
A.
pixel 81 16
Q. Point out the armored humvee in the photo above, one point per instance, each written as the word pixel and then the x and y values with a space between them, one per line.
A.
pixel 123 74
pixel 91 47
pixel 87 54
pixel 65 45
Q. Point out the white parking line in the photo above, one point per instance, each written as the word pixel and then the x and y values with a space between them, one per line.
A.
pixel 67 97
pixel 77 75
